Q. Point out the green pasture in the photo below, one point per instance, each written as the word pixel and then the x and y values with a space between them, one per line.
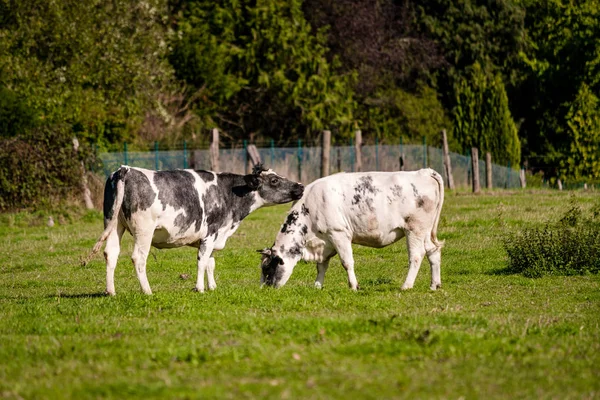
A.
pixel 485 334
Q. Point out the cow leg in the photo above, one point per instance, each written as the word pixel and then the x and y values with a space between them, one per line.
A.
pixel 210 274
pixel 343 246
pixel 435 260
pixel 111 255
pixel 416 252
pixel 322 269
pixel 141 249
pixel 204 260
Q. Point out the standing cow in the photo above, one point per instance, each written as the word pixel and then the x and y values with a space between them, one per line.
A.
pixel 373 209
pixel 177 208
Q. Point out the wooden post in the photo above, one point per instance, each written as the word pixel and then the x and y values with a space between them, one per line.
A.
pixel 475 169
pixel 488 170
pixel 357 148
pixel 253 156
pixel 447 164
pixel 325 153
pixel 559 183
pixel 339 160
pixel 522 178
pixel 85 190
pixel 214 150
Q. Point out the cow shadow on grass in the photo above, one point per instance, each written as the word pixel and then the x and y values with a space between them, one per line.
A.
pixel 78 295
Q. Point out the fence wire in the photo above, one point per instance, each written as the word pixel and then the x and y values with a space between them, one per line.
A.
pixel 304 163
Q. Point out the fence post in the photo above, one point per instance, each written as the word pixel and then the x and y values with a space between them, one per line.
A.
pixel 272 153
pixel 488 170
pixel 357 149
pixel 424 152
pixel 185 164
pixel 246 157
pixel 87 195
pixel 214 150
pixel 507 175
pixel 125 153
pixel 299 160
pixel 447 164
pixel 522 178
pixel 376 153
pixel 475 167
pixel 156 155
pixel 325 153
pixel 339 160
pixel 401 158
pixel 352 156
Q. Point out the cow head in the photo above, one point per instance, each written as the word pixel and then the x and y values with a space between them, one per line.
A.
pixel 275 270
pixel 273 188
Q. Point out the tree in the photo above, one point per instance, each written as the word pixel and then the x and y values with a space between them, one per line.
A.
pixel 583 121
pixel 261 71
pixel 482 117
pixel 565 57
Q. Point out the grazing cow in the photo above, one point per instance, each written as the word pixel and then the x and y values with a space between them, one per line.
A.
pixel 373 209
pixel 177 208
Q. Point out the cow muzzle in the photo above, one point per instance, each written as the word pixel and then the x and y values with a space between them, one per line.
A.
pixel 297 191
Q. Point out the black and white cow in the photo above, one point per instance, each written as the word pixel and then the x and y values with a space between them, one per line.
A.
pixel 167 209
pixel 373 209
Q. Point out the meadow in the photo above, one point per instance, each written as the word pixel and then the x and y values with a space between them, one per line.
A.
pixel 485 334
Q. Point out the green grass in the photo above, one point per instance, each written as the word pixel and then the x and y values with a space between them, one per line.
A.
pixel 485 334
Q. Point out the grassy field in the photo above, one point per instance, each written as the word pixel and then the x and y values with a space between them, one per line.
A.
pixel 485 334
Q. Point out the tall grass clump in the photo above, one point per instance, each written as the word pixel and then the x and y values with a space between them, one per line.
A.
pixel 570 246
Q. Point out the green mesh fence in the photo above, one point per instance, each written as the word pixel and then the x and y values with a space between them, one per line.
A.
pixel 304 163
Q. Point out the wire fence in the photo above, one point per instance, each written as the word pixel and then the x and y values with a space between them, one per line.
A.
pixel 303 164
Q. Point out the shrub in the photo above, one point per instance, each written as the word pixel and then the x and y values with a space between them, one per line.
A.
pixel 38 170
pixel 570 246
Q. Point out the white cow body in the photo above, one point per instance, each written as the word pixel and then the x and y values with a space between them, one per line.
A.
pixel 373 209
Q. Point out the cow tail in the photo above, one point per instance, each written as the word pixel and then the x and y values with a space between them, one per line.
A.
pixel 438 211
pixel 116 181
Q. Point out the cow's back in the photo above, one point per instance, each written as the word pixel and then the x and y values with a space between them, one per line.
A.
pixel 374 208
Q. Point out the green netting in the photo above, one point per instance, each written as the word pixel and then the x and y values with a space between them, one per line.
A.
pixel 304 163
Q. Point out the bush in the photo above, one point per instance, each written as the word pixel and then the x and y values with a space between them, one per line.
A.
pixel 570 246
pixel 38 170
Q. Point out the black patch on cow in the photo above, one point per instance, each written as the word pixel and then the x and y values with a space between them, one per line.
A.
pixel 295 250
pixel 419 200
pixel 304 229
pixel 364 192
pixel 289 222
pixel 304 210
pixel 228 201
pixel 110 193
pixel 366 186
pixel 397 191
pixel 270 269
pixel 139 194
pixel 177 189
pixel 201 248
pixel 206 176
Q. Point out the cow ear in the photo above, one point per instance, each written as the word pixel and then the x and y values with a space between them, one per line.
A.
pixel 264 252
pixel 252 181
pixel 280 260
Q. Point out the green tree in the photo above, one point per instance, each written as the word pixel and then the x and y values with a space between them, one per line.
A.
pixel 565 56
pixel 482 117
pixel 583 121
pixel 260 70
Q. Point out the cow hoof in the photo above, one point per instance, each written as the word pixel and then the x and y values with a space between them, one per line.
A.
pixel 110 293
pixel 198 290
pixel 318 285
pixel 435 286
pixel 212 287
pixel 405 287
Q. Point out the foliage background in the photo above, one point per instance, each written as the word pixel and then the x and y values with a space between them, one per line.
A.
pixel 518 78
